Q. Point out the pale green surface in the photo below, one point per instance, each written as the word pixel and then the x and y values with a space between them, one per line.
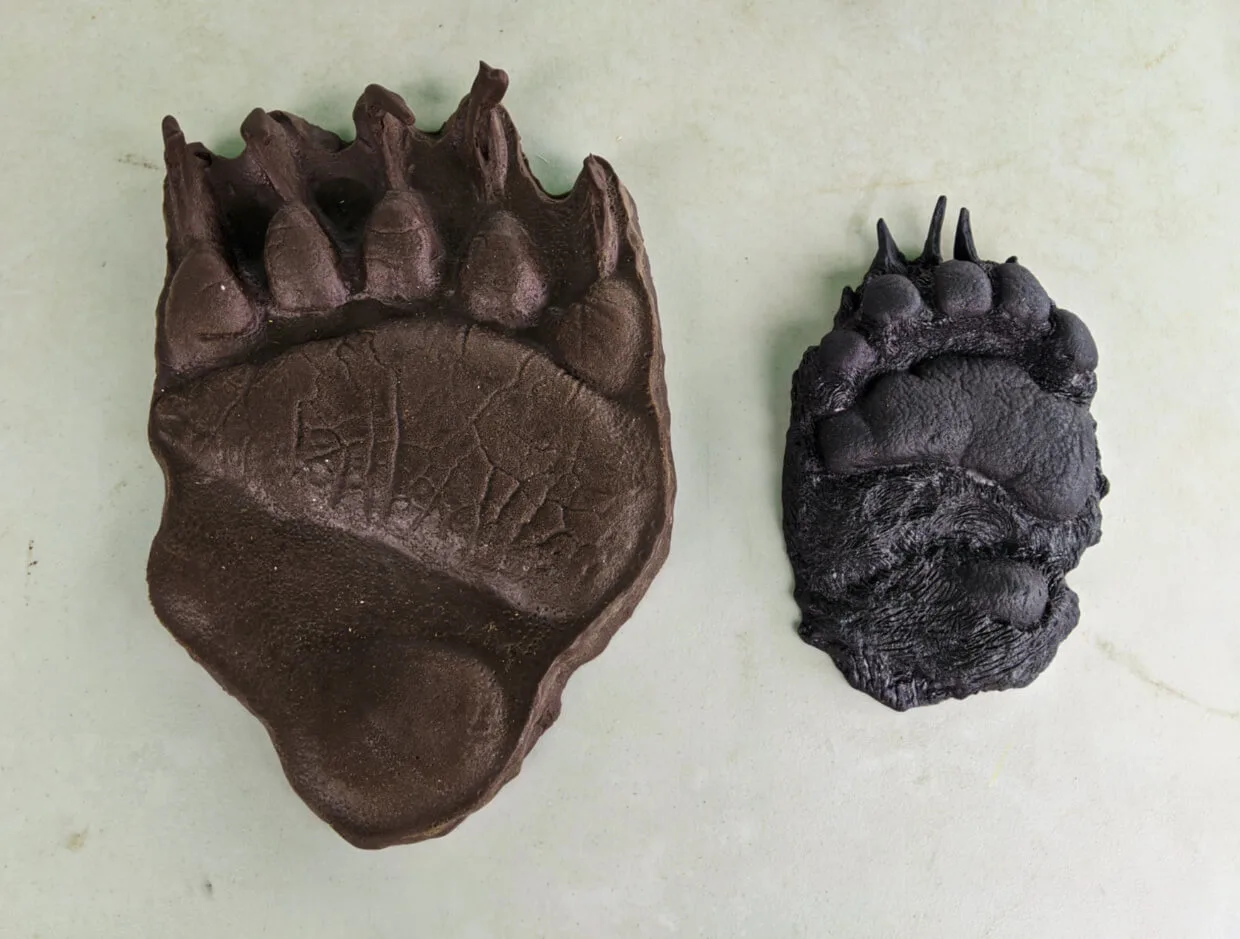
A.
pixel 711 775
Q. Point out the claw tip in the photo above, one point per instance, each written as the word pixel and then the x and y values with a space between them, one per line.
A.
pixel 965 249
pixel 256 126
pixel 598 169
pixel 888 260
pixel 490 85
pixel 933 250
pixel 376 98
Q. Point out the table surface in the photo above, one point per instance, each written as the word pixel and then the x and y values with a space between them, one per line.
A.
pixel 711 775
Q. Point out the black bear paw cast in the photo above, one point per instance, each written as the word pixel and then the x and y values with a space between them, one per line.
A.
pixel 941 475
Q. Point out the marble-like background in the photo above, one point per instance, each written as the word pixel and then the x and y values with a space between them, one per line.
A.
pixel 711 775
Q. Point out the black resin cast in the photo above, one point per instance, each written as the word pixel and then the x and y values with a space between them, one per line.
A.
pixel 941 475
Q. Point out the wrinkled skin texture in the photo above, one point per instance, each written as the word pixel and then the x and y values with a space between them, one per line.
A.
pixel 942 476
pixel 413 425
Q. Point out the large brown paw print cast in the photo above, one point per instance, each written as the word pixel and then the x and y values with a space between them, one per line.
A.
pixel 412 420
pixel 941 475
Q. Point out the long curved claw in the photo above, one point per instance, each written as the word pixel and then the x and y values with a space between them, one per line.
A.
pixel 933 251
pixel 965 250
pixel 888 260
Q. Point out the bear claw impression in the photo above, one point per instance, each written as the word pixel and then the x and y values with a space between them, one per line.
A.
pixel 411 415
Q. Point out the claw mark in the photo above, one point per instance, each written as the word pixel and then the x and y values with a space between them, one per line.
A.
pixel 437 490
pixel 394 398
pixel 560 530
pixel 907 182
pixel 514 382
pixel 367 489
pixel 535 506
pixel 375 501
pixel 999 764
pixel 1165 54
pixel 491 494
pixel 1133 665
pixel 486 490
pixel 134 159
pixel 298 425
pixel 341 478
pixel 242 394
pixel 31 564
pixel 338 348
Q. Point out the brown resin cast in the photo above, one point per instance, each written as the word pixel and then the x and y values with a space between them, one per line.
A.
pixel 412 420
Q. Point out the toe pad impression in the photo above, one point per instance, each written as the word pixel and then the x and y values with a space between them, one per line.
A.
pixel 985 415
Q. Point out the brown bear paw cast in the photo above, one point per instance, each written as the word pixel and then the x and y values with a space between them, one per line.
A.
pixel 412 420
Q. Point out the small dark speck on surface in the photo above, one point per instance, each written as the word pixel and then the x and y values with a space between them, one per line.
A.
pixel 31 563
pixel 208 887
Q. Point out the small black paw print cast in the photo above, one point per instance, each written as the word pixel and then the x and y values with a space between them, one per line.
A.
pixel 941 475
pixel 413 425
